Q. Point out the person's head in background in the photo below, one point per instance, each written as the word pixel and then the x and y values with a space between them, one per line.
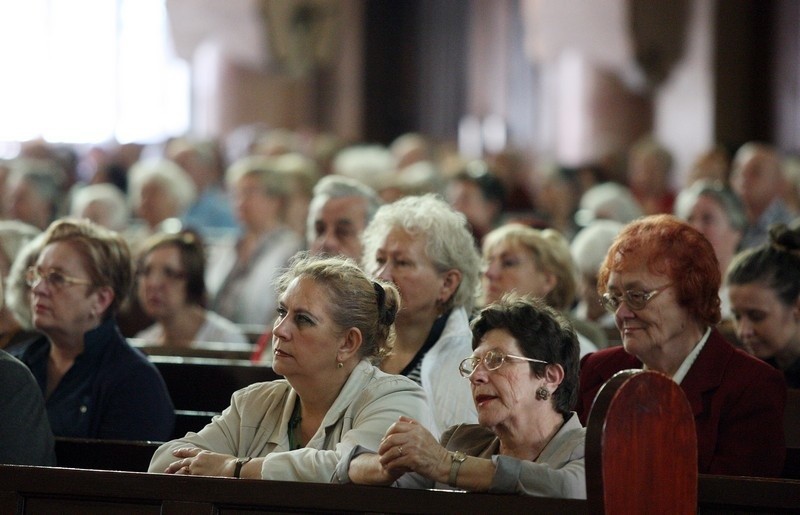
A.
pixel 718 214
pixel 17 292
pixel 302 174
pixel 34 189
pixel 201 159
pixel 158 190
pixel 477 193
pixel 649 175
pixel 757 178
pixel 14 313
pixel 589 248
pixel 764 287
pixel 103 204
pixel 340 210
pixel 170 274
pixel 528 261
pixel 260 193
pixel 713 165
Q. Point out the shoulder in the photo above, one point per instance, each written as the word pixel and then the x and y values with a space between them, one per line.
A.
pixel 13 371
pixel 262 392
pixel 607 362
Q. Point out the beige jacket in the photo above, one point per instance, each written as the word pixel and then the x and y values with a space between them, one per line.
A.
pixel 256 424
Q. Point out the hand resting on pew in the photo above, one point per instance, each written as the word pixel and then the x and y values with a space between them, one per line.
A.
pixel 332 321
pixel 523 375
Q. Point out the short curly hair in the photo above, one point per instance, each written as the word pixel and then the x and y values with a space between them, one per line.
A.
pixel 670 247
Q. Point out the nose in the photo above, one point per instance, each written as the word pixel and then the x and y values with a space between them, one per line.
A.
pixel 480 375
pixel 280 329
pixel 384 272
pixel 491 270
pixel 329 244
pixel 744 329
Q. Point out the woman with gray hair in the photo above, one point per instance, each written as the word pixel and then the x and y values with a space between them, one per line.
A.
pixel 159 191
pixel 19 246
pixel 34 191
pixel 424 247
pixel 715 211
pixel 241 272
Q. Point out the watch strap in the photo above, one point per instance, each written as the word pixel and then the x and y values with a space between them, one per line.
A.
pixel 458 458
pixel 237 469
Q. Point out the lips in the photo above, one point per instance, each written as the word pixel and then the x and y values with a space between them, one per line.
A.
pixel 483 398
pixel 281 354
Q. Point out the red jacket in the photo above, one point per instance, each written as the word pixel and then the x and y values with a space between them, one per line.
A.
pixel 737 401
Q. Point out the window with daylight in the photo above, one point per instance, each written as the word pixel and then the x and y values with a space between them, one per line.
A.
pixel 89 71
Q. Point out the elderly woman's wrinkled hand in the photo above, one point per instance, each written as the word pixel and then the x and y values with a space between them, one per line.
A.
pixel 197 462
pixel 407 447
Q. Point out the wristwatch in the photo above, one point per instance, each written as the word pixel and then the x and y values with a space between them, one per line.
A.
pixel 458 458
pixel 237 469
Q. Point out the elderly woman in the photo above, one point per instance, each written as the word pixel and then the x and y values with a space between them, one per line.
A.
pixel 159 191
pixel 717 212
pixel 661 280
pixel 424 247
pixel 34 190
pixel 764 287
pixel 95 385
pixel 241 273
pixel 332 320
pixel 524 377
pixel 172 291
pixel 535 262
pixel 16 331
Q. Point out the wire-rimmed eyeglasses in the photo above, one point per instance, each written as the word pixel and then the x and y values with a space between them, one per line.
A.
pixel 492 360
pixel 634 299
pixel 53 278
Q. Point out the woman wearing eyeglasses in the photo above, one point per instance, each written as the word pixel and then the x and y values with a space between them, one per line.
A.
pixel 523 374
pixel 661 280
pixel 95 385
pixel 172 291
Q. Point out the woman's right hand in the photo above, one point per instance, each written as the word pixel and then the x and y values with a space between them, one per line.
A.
pixel 409 447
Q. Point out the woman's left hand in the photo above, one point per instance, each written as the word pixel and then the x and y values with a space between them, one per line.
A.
pixel 407 446
pixel 197 462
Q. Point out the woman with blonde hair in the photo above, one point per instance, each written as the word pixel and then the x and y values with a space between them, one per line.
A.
pixel 332 323
pixel 529 261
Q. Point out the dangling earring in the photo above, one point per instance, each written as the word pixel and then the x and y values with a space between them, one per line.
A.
pixel 542 393
pixel 339 364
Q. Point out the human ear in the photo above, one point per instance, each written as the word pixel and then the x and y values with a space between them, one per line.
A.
pixel 349 345
pixel 452 278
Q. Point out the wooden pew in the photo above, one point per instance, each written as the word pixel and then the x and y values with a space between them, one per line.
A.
pixel 87 453
pixel 206 384
pixel 729 495
pixel 34 490
pixel 217 350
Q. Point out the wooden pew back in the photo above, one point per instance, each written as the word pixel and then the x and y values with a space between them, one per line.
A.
pixel 206 384
pixel 641 447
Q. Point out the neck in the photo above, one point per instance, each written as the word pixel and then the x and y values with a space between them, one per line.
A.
pixel 667 357
pixel 526 439
pixel 789 355
pixel 180 329
pixel 318 393
pixel 412 331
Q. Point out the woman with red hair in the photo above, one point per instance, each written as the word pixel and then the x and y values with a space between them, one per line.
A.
pixel 661 280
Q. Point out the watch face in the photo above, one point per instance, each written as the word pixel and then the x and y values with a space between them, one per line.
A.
pixel 459 456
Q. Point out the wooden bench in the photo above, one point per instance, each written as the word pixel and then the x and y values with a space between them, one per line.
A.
pixel 206 384
pixel 217 350
pixel 87 453
pixel 34 490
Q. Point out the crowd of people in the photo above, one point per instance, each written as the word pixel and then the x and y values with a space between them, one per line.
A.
pixel 437 321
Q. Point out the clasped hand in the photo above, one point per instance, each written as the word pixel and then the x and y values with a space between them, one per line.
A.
pixel 198 462
pixel 409 447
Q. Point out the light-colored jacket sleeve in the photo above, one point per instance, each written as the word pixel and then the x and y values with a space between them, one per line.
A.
pixel 449 393
pixel 363 423
pixel 559 471
pixel 227 433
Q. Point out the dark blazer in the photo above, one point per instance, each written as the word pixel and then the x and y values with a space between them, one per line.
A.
pixel 111 391
pixel 737 401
